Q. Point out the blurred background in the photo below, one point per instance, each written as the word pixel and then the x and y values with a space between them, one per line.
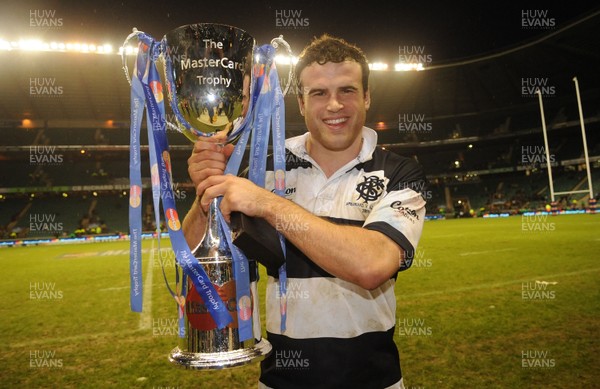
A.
pixel 452 86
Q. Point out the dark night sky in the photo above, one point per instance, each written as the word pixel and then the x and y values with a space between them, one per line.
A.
pixel 447 30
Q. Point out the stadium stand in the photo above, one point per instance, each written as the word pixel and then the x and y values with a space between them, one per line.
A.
pixel 477 135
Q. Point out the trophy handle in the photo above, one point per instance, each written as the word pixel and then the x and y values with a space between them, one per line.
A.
pixel 134 34
pixel 156 48
pixel 275 42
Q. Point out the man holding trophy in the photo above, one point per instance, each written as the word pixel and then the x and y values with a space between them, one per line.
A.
pixel 352 216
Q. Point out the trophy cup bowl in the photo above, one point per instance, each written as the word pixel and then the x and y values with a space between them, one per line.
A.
pixel 205 67
pixel 208 77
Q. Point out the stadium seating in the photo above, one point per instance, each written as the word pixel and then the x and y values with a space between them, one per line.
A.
pixel 487 173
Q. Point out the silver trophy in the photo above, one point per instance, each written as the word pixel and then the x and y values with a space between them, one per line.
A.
pixel 208 73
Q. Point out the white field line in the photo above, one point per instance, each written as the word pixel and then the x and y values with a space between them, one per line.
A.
pixel 485 252
pixel 114 288
pixel 146 315
pixel 498 284
pixel 80 337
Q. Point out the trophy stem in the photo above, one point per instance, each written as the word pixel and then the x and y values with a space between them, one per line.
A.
pixel 209 246
pixel 204 345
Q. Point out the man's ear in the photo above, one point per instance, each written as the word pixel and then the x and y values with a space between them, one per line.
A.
pixel 367 99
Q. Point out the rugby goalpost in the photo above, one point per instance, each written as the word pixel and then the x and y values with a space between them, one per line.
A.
pixel 585 150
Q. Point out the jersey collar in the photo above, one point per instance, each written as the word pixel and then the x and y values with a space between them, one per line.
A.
pixel 297 145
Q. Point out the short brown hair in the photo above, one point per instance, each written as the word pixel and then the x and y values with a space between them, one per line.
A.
pixel 331 49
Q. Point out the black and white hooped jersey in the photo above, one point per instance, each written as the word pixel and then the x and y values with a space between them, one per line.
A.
pixel 337 333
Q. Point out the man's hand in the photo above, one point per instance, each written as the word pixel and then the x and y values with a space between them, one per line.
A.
pixel 338 249
pixel 209 158
pixel 239 194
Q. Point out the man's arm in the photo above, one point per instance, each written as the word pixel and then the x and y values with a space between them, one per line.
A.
pixel 194 224
pixel 338 249
pixel 209 157
pixel 358 255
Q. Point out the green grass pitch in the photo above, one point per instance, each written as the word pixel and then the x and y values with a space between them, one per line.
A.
pixel 488 303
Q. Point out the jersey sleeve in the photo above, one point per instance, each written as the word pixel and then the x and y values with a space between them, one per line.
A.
pixel 400 213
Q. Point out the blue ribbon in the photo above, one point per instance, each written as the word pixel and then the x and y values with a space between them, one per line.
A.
pixel 268 116
pixel 265 110
pixel 135 190
pixel 184 257
pixel 278 128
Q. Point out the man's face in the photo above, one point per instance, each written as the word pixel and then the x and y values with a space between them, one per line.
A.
pixel 334 103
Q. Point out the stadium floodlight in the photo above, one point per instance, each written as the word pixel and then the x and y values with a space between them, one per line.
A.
pixel 104 49
pixel 405 67
pixel 54 46
pixel 5 45
pixel 33 45
pixel 129 50
pixel 282 59
pixel 378 66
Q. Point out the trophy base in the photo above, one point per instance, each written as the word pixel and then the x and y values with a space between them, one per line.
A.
pixel 220 360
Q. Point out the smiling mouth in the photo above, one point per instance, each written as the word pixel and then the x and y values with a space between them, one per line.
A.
pixel 335 121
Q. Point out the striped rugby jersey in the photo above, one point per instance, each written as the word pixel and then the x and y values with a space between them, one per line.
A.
pixel 338 334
